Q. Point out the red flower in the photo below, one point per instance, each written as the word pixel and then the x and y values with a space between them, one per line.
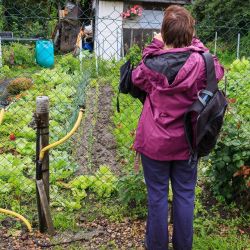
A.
pixel 133 11
pixel 231 100
pixel 12 137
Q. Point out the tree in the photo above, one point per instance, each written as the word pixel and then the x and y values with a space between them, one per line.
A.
pixel 222 16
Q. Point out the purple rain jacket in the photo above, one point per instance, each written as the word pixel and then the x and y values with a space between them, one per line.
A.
pixel 171 78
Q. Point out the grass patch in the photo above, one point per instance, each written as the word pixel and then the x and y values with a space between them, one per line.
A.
pixel 213 242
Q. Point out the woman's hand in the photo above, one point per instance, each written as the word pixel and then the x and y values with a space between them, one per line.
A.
pixel 158 37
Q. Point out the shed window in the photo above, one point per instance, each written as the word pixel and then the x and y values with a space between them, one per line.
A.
pixel 140 29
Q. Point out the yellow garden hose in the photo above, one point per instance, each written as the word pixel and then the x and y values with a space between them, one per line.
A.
pixel 73 130
pixel 5 211
pixel 1 115
pixel 25 221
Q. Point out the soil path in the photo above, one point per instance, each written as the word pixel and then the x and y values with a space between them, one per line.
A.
pixel 97 143
pixel 3 92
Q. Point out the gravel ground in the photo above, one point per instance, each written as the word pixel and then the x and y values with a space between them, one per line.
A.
pixel 11 239
pixel 99 234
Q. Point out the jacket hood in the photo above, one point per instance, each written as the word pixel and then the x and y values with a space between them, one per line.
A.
pixel 175 67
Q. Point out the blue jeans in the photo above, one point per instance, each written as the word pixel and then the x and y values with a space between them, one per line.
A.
pixel 183 180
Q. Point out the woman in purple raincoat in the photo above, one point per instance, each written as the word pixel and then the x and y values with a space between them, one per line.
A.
pixel 171 72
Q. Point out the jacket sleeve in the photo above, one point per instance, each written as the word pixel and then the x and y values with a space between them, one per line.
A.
pixel 155 45
pixel 219 69
pixel 139 78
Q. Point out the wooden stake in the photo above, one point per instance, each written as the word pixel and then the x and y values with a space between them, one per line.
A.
pixel 45 207
pixel 42 115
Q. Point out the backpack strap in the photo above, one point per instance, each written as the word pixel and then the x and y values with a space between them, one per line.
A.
pixel 212 85
pixel 198 106
pixel 118 102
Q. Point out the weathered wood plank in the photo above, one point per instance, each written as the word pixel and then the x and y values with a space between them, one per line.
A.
pixel 45 206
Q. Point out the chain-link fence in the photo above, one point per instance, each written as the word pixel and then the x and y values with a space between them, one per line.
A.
pixel 90 174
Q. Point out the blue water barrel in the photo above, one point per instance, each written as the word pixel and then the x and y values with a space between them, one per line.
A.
pixel 45 53
pixel 88 46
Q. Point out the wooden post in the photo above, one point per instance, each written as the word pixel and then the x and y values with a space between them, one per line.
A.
pixel 117 45
pixel 238 46
pixel 131 37
pixel 215 42
pixel 80 54
pixel 39 176
pixel 42 172
pixel 45 206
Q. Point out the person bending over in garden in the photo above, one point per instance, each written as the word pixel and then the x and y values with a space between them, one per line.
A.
pixel 171 72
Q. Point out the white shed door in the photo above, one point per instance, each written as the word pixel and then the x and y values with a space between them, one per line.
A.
pixel 108 29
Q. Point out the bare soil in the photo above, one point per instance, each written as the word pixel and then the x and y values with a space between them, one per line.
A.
pixel 3 92
pixel 97 143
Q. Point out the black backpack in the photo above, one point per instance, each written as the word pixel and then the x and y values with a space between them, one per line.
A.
pixel 208 111
pixel 126 86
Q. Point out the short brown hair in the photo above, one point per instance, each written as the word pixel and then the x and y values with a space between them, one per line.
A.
pixel 177 27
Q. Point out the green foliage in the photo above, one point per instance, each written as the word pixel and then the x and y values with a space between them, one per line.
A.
pixel 19 54
pixel 84 2
pixel 51 26
pixel 29 18
pixel 239 87
pixel 199 210
pixel 34 29
pixel 64 221
pixel 233 149
pixel 125 126
pixel 12 178
pixel 24 147
pixel 6 72
pixel 133 195
pixel 69 63
pixel 227 18
pixel 103 184
pixel 228 242
pixel 1 14
pixel 134 54
pixel 220 16
pixel 245 45
pixel 17 169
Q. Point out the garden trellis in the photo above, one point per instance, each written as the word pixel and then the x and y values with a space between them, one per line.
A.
pixel 97 162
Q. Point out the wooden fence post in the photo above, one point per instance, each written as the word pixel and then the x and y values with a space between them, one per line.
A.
pixel 42 167
pixel 42 110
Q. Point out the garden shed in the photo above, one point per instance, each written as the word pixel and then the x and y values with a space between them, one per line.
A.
pixel 115 33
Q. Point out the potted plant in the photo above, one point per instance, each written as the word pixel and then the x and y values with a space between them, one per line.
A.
pixel 132 12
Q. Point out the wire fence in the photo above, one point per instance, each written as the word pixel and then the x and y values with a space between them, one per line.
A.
pixel 96 163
